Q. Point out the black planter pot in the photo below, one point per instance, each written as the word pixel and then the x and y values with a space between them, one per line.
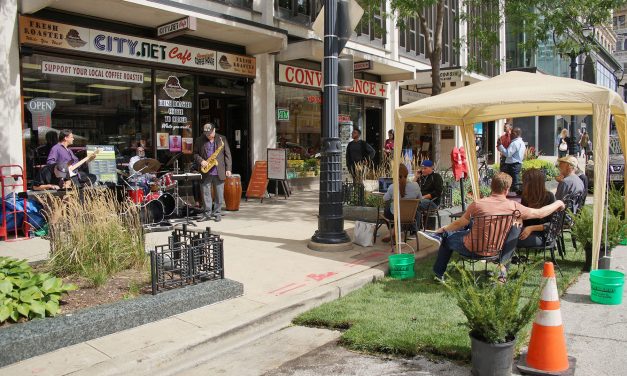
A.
pixel 491 359
pixel 588 264
pixel 604 260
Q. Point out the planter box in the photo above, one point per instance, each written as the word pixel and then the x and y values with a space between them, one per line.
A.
pixel 360 213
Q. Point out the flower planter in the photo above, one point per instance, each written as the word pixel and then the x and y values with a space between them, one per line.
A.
pixel 491 359
pixel 361 213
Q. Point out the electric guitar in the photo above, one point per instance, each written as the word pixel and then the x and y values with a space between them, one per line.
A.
pixel 72 168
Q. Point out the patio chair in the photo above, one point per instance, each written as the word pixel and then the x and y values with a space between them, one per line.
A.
pixel 572 202
pixel 446 202
pixel 488 238
pixel 551 238
pixel 407 214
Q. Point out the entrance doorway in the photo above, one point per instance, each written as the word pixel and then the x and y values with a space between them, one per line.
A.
pixel 230 115
pixel 373 131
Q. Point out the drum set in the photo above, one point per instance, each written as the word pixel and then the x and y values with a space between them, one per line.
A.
pixel 163 201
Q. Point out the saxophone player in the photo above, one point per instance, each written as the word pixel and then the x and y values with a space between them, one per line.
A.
pixel 212 154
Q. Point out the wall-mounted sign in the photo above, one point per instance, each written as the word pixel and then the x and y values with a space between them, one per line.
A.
pixel 41 109
pixel 282 114
pixel 408 96
pixel 310 78
pixel 450 75
pixel 175 28
pixel 62 69
pixel 362 65
pixel 53 34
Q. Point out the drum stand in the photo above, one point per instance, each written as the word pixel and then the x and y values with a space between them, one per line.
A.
pixel 177 198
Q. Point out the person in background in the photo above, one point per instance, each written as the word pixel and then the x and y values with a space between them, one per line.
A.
pixel 60 153
pixel 505 140
pixel 52 176
pixel 140 178
pixel 431 185
pixel 534 195
pixel 408 190
pixel 584 142
pixel 568 181
pixel 562 143
pixel 514 155
pixel 357 151
pixel 388 148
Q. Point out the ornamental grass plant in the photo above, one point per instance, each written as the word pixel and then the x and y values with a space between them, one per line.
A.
pixel 93 235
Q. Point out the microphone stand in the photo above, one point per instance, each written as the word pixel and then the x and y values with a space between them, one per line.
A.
pixel 178 197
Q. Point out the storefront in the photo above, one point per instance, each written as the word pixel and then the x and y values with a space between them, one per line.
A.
pixel 123 91
pixel 299 115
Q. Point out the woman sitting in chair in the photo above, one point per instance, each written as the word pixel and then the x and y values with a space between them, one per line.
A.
pixel 534 195
pixel 409 190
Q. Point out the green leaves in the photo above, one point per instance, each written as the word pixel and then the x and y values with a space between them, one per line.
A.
pixel 26 294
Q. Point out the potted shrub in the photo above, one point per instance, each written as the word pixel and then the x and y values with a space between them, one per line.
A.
pixel 582 230
pixel 495 314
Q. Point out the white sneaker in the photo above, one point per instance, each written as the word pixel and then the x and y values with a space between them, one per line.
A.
pixel 432 239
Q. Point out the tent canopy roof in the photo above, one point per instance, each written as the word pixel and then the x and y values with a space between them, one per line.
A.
pixel 513 94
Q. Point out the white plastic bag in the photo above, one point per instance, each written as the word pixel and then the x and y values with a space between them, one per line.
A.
pixel 364 234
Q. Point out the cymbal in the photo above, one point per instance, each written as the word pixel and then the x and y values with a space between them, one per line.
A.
pixel 147 165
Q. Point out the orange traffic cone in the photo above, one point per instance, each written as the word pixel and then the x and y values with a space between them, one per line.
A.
pixel 546 354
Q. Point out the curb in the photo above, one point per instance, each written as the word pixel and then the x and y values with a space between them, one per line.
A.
pixel 172 360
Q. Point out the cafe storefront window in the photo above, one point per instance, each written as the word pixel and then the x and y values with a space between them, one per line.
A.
pixel 103 104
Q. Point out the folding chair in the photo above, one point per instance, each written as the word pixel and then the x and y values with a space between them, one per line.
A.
pixel 407 214
pixel 446 202
pixel 572 202
pixel 487 238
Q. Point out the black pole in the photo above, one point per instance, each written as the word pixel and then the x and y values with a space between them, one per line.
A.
pixel 463 194
pixel 330 218
pixel 571 127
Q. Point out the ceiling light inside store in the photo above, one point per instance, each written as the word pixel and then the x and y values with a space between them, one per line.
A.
pixel 79 94
pixel 31 79
pixel 40 90
pixel 62 99
pixel 158 80
pixel 111 87
pixel 31 66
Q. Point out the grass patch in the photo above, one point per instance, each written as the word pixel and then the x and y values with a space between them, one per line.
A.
pixel 415 316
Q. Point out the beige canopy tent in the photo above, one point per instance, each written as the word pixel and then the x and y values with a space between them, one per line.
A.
pixel 519 94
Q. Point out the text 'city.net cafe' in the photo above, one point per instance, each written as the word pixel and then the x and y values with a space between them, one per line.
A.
pixel 120 90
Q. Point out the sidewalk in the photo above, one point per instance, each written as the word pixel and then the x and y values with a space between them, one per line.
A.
pixel 266 250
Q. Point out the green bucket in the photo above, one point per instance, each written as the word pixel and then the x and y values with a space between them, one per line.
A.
pixel 402 266
pixel 606 286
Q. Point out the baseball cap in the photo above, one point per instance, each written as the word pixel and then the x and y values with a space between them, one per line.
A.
pixel 209 127
pixel 570 160
pixel 61 170
pixel 427 163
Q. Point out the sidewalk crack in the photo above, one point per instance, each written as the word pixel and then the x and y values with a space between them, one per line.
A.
pixel 595 337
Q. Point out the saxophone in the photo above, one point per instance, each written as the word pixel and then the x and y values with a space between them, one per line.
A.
pixel 212 161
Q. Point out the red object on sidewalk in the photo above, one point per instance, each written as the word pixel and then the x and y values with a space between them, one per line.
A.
pixel 458 163
pixel 13 180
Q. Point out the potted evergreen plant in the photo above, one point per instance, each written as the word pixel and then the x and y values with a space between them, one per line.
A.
pixel 582 231
pixel 495 314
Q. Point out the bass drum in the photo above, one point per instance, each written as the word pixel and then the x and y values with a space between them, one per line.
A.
pixel 151 213
pixel 169 204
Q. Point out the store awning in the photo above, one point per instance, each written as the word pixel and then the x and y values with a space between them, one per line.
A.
pixel 255 37
pixel 451 78
pixel 312 49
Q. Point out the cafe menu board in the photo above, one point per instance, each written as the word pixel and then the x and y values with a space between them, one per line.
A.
pixel 104 165
pixel 277 164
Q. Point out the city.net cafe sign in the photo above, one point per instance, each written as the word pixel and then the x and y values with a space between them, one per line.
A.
pixel 57 35
pixel 311 78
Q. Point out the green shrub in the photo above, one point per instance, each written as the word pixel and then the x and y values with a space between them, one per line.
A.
pixel 582 229
pixel 547 167
pixel 374 200
pixel 24 293
pixel 495 312
pixel 616 202
pixel 485 191
pixel 89 236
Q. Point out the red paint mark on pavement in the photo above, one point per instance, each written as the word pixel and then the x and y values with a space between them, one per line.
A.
pixel 293 288
pixel 320 277
pixel 281 288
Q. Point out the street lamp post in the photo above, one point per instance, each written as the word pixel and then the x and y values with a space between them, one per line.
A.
pixel 571 128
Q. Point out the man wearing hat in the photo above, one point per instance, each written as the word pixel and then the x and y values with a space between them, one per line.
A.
pixel 52 176
pixel 205 146
pixel 431 186
pixel 569 182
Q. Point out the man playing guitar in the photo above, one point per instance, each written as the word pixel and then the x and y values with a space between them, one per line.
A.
pixel 61 153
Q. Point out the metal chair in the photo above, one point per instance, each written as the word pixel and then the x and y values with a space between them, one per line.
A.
pixel 572 202
pixel 407 214
pixel 487 238
pixel 551 238
pixel 446 202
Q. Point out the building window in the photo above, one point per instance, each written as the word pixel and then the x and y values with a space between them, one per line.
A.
pixel 373 28
pixel 237 3
pixel 301 11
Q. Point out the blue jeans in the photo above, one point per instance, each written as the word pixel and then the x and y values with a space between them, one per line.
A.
pixel 454 242
pixel 513 170
pixel 206 190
